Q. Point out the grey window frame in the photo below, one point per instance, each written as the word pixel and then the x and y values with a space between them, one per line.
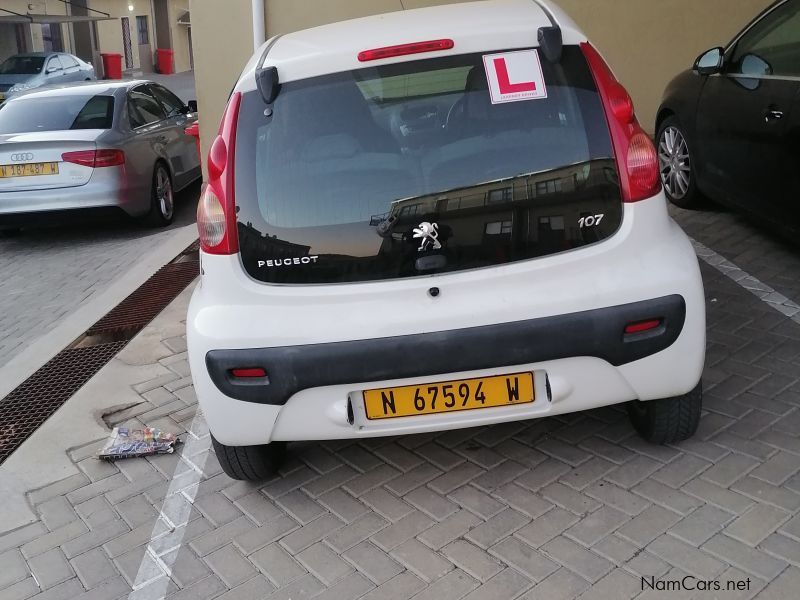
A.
pixel 53 59
pixel 129 105
pixel 65 56
pixel 732 47
pixel 154 87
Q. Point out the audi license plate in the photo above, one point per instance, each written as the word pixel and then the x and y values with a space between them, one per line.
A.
pixel 29 169
pixel 449 396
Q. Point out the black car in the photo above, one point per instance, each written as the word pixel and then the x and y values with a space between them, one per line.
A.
pixel 729 128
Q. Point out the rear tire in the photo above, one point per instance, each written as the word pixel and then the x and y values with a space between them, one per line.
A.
pixel 162 198
pixel 675 162
pixel 250 463
pixel 669 420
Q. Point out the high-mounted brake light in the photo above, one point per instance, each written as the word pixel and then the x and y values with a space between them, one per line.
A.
pixel 95 158
pixel 405 49
pixel 216 211
pixel 637 161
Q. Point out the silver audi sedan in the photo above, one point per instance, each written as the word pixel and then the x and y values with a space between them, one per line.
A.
pixel 100 146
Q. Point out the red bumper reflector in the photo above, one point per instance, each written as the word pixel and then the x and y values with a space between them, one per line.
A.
pixel 405 49
pixel 642 326
pixel 253 372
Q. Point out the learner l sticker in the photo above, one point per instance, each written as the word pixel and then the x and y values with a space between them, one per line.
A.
pixel 514 76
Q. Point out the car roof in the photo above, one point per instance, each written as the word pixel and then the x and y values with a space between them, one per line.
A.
pixel 81 88
pixel 473 26
pixel 31 55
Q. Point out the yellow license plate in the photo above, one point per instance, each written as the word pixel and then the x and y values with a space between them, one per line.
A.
pixel 2 96
pixel 29 169
pixel 449 396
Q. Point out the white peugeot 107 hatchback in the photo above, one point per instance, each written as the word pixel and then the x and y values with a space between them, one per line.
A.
pixel 434 219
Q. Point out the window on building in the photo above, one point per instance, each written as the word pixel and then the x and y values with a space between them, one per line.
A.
pixel 501 195
pixel 554 223
pixel 142 31
pixel 498 228
pixel 51 37
pixel 548 187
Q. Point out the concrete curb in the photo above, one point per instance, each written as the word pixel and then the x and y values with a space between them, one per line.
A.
pixel 46 347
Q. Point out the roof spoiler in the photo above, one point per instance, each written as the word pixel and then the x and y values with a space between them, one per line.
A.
pixel 551 43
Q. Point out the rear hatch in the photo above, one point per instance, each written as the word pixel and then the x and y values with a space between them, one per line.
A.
pixel 36 134
pixel 422 167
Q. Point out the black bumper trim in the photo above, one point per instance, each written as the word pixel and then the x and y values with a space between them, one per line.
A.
pixel 597 333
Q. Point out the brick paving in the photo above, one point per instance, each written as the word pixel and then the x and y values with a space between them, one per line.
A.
pixel 575 506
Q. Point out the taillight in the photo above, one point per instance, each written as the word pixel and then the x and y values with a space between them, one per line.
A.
pixel 216 212
pixel 95 158
pixel 637 160
pixel 405 49
pixel 210 219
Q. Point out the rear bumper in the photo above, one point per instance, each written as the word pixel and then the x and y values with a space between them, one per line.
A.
pixel 106 188
pixel 598 333
pixel 561 317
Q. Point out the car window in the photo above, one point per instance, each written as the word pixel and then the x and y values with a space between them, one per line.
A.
pixel 22 65
pixel 57 113
pixel 143 108
pixel 346 165
pixel 68 61
pixel 172 104
pixel 54 64
pixel 771 46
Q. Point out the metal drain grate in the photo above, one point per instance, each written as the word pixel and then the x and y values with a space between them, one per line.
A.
pixel 141 307
pixel 43 393
pixel 39 396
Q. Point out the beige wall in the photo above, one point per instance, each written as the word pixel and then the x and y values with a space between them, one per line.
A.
pixel 179 34
pixel 110 32
pixel 646 42
pixel 223 42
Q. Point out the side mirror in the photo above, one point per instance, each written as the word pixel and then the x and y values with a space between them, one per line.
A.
pixel 52 69
pixel 192 105
pixel 710 62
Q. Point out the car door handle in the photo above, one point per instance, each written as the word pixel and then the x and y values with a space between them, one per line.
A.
pixel 773 115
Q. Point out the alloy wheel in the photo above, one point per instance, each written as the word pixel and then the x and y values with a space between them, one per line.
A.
pixel 674 162
pixel 164 194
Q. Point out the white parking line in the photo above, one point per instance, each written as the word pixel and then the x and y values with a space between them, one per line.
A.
pixel 155 570
pixel 758 288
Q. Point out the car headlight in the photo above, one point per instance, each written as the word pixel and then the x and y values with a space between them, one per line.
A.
pixel 20 87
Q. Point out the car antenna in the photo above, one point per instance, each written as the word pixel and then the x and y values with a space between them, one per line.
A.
pixel 267 80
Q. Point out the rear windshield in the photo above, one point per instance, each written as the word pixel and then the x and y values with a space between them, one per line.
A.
pixel 419 168
pixel 57 113
pixel 22 65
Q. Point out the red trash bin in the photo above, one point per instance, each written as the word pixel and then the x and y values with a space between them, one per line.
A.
pixel 112 65
pixel 194 131
pixel 165 57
